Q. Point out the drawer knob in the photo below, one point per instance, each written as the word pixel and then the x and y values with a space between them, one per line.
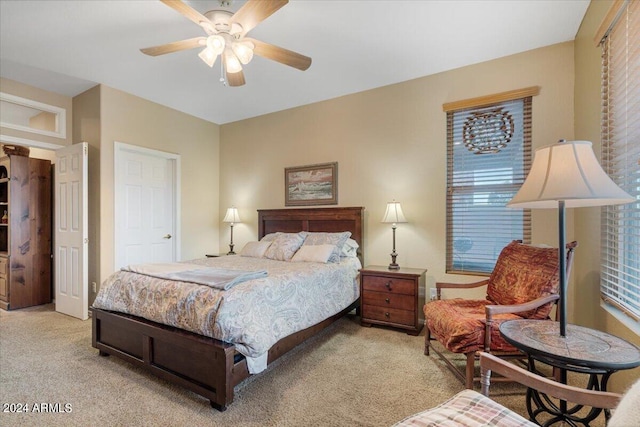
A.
pixel 387 300
pixel 388 285
pixel 386 314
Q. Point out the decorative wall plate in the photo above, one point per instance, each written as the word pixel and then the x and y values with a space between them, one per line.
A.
pixel 486 132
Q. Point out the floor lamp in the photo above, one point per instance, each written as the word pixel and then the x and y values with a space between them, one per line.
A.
pixel 566 175
pixel 232 217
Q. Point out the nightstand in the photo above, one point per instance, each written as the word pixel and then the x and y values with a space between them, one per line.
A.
pixel 392 297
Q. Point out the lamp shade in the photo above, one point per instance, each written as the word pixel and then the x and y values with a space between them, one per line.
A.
pixel 567 171
pixel 232 216
pixel 394 213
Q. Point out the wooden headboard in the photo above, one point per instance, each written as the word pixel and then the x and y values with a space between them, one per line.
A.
pixel 314 219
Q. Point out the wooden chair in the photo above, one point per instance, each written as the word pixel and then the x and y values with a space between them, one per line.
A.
pixel 469 408
pixel 523 285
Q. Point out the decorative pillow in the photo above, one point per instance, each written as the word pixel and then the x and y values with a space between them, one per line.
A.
pixel 336 239
pixel 313 253
pixel 255 249
pixel 270 237
pixel 350 249
pixel 522 274
pixel 284 246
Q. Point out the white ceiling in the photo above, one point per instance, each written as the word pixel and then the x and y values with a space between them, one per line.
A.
pixel 69 46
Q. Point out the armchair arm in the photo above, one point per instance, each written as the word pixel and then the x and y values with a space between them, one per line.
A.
pixel 443 285
pixel 491 310
pixel 580 396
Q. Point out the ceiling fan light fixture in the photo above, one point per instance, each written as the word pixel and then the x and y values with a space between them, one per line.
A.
pixel 235 28
pixel 243 51
pixel 216 43
pixel 208 56
pixel 231 62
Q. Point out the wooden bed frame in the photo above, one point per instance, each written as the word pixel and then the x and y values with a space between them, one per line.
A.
pixel 207 366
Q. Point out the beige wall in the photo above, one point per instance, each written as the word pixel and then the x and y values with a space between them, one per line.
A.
pixel 132 120
pixel 35 94
pixel 86 128
pixel 390 143
pixel 586 297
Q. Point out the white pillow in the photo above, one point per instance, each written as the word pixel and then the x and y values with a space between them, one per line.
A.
pixel 323 238
pixel 255 249
pixel 313 253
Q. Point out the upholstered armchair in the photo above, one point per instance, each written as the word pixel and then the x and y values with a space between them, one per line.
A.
pixel 523 285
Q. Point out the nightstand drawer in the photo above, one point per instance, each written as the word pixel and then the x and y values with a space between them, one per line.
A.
pixel 388 315
pixel 390 300
pixel 389 284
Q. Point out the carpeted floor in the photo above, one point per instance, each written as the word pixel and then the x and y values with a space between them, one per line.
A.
pixel 346 376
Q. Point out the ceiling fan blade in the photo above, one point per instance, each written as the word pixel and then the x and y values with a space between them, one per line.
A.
pixel 189 13
pixel 175 46
pixel 281 55
pixel 254 12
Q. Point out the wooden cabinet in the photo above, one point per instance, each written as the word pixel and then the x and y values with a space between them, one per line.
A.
pixel 25 232
pixel 392 297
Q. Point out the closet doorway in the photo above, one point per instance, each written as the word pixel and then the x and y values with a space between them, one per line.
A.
pixel 146 204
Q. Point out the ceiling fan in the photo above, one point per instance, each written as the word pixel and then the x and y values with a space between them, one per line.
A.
pixel 226 37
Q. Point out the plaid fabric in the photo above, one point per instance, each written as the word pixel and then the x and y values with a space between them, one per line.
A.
pixel 469 409
pixel 459 325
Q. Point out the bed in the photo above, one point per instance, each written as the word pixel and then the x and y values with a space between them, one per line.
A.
pixel 208 366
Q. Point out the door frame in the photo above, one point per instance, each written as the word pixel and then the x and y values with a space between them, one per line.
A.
pixel 174 159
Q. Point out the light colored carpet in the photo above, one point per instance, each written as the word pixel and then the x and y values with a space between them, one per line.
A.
pixel 346 376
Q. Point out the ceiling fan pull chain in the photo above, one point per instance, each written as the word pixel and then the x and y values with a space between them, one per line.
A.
pixel 222 79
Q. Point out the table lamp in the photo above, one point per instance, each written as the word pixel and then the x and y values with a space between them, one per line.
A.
pixel 566 175
pixel 394 215
pixel 232 217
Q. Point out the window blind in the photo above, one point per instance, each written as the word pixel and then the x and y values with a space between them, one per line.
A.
pixel 620 234
pixel 488 159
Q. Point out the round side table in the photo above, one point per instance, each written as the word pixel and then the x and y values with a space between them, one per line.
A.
pixel 583 350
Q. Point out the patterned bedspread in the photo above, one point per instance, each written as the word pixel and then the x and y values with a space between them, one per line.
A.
pixel 253 315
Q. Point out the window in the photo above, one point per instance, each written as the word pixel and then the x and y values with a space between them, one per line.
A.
pixel 488 158
pixel 620 236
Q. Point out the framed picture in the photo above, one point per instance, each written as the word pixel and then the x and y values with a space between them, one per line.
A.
pixel 311 185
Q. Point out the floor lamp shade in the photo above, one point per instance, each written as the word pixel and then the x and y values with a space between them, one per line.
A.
pixel 567 171
pixel 566 175
pixel 394 215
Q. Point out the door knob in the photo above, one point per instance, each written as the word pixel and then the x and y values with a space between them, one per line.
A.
pixel 168 236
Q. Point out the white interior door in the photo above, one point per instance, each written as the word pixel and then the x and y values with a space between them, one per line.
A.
pixel 71 231
pixel 145 206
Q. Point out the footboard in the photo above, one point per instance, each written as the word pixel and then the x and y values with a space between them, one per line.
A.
pixel 201 364
pixel 206 366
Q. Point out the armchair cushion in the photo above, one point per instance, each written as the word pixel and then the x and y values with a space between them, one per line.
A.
pixel 524 273
pixel 460 324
